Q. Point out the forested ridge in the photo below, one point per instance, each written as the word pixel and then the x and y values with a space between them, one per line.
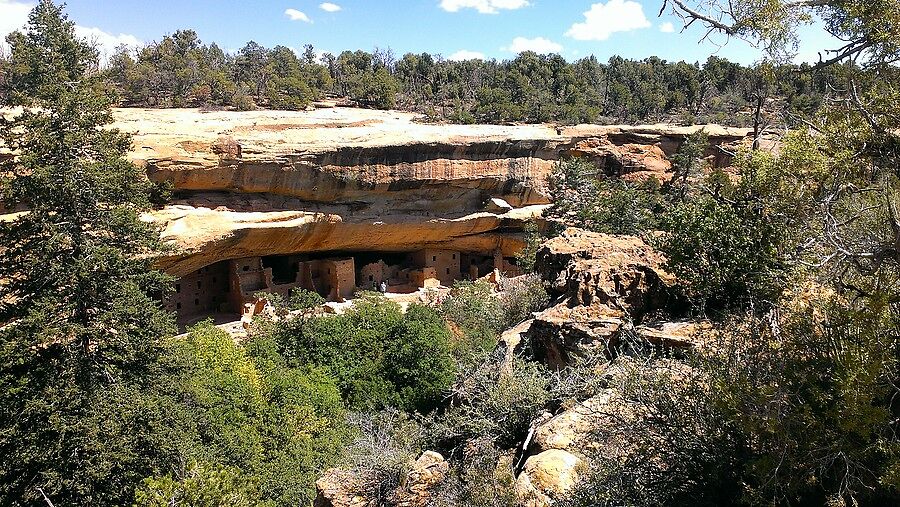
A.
pixel 181 71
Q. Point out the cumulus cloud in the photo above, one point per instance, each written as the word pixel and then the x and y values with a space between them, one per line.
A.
pixel 483 6
pixel 603 20
pixel 539 45
pixel 295 15
pixel 667 27
pixel 14 16
pixel 106 43
pixel 329 7
pixel 464 54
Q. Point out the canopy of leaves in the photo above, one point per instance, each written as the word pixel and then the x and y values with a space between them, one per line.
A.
pixel 379 356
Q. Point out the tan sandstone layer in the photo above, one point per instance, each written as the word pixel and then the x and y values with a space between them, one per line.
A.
pixel 275 182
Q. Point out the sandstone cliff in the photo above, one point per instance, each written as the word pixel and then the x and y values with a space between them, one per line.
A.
pixel 275 182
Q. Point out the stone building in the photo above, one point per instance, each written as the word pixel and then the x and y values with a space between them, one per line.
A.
pixel 446 264
pixel 226 287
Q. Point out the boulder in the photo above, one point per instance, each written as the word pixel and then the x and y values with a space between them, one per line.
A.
pixel 546 477
pixel 576 429
pixel 677 336
pixel 622 273
pixel 337 488
pixel 429 471
pixel 561 335
pixel 605 283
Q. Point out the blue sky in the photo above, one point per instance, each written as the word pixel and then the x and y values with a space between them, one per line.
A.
pixel 453 28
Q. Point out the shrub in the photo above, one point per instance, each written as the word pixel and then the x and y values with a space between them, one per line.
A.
pixel 533 239
pixel 378 356
pixel 275 426
pixel 583 198
pixel 385 443
pixel 723 252
pixel 493 400
pixel 477 312
pixel 203 485
pixel 521 296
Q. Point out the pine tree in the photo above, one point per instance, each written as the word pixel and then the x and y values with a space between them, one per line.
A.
pixel 80 321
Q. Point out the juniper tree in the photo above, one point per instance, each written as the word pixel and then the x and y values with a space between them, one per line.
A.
pixel 79 309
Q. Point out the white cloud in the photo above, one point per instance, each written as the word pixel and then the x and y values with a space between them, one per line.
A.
pixel 483 6
pixel 296 15
pixel 14 16
pixel 667 27
pixel 464 54
pixel 106 43
pixel 539 45
pixel 329 7
pixel 603 20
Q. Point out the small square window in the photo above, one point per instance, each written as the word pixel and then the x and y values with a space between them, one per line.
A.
pixel 448 271
pixel 246 268
pixel 178 306
pixel 454 256
pixel 197 302
pixel 178 288
pixel 434 258
pixel 199 284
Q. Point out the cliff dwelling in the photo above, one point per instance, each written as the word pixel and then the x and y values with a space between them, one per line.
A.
pixel 224 288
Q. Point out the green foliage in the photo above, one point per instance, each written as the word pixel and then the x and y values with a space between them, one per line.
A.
pixel 477 312
pixel 202 486
pixel 81 322
pixel 520 297
pixel 379 356
pixel 46 57
pixel 721 252
pixel 533 239
pixel 275 425
pixel 481 315
pixel 583 198
pixel 688 162
pixel 180 71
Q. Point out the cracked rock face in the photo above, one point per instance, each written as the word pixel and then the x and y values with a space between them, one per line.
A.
pixel 605 282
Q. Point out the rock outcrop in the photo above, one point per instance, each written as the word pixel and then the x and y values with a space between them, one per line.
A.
pixel 340 488
pixel 278 182
pixel 547 476
pixel 605 283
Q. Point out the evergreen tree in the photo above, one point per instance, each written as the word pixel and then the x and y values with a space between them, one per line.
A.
pixel 81 321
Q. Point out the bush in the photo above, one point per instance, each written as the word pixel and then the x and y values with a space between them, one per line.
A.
pixel 493 400
pixel 521 296
pixel 378 356
pixel 533 239
pixel 273 425
pixel 202 485
pixel 724 253
pixel 585 199
pixel 477 312
pixel 385 443
pixel 793 408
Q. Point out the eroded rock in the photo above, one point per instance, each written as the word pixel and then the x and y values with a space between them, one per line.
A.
pixel 547 476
